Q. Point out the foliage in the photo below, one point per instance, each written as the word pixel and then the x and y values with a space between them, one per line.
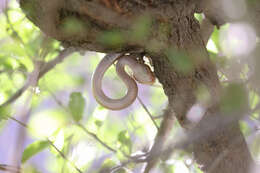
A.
pixel 33 149
pixel 76 106
pixel 86 136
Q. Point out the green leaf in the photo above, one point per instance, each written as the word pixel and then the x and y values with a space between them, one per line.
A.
pixel 98 123
pixel 198 16
pixel 4 112
pixel 125 141
pixel 107 165
pixel 215 38
pixel 76 105
pixel 33 149
pixel 244 127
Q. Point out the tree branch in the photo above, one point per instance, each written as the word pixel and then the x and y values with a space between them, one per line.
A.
pixel 43 70
pixel 148 112
pixel 207 29
pixel 64 156
pixel 161 139
pixel 93 135
pixel 17 169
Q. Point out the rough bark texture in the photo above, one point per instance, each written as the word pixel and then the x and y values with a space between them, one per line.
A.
pixel 172 27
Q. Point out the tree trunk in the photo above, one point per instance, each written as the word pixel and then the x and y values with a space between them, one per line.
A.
pixel 180 61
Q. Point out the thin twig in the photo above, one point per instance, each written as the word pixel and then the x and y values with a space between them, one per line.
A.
pixel 59 59
pixel 12 28
pixel 146 109
pixel 158 117
pixel 14 71
pixel 122 165
pixel 17 121
pixel 131 159
pixel 43 70
pixel 9 168
pixel 16 95
pixel 60 152
pixel 148 112
pixel 69 139
pixel 83 127
pixel 96 138
pixel 31 81
pixel 64 156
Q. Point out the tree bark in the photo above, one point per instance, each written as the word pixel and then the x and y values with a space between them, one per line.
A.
pixel 174 40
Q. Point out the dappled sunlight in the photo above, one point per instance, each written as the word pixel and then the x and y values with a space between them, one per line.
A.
pixel 195 113
pixel 83 152
pixel 180 167
pixel 45 123
pixel 239 39
pixel 59 140
pixel 2 98
pixel 211 46
pixel 100 113
pixel 46 71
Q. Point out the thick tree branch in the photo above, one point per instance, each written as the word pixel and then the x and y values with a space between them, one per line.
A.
pixel 174 37
pixel 160 140
pixel 207 29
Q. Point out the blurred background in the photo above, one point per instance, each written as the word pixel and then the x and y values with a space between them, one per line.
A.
pixel 57 126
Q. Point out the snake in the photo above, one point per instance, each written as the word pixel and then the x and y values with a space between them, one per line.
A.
pixel 141 73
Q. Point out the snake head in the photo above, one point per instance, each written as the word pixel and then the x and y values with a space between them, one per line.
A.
pixel 143 74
